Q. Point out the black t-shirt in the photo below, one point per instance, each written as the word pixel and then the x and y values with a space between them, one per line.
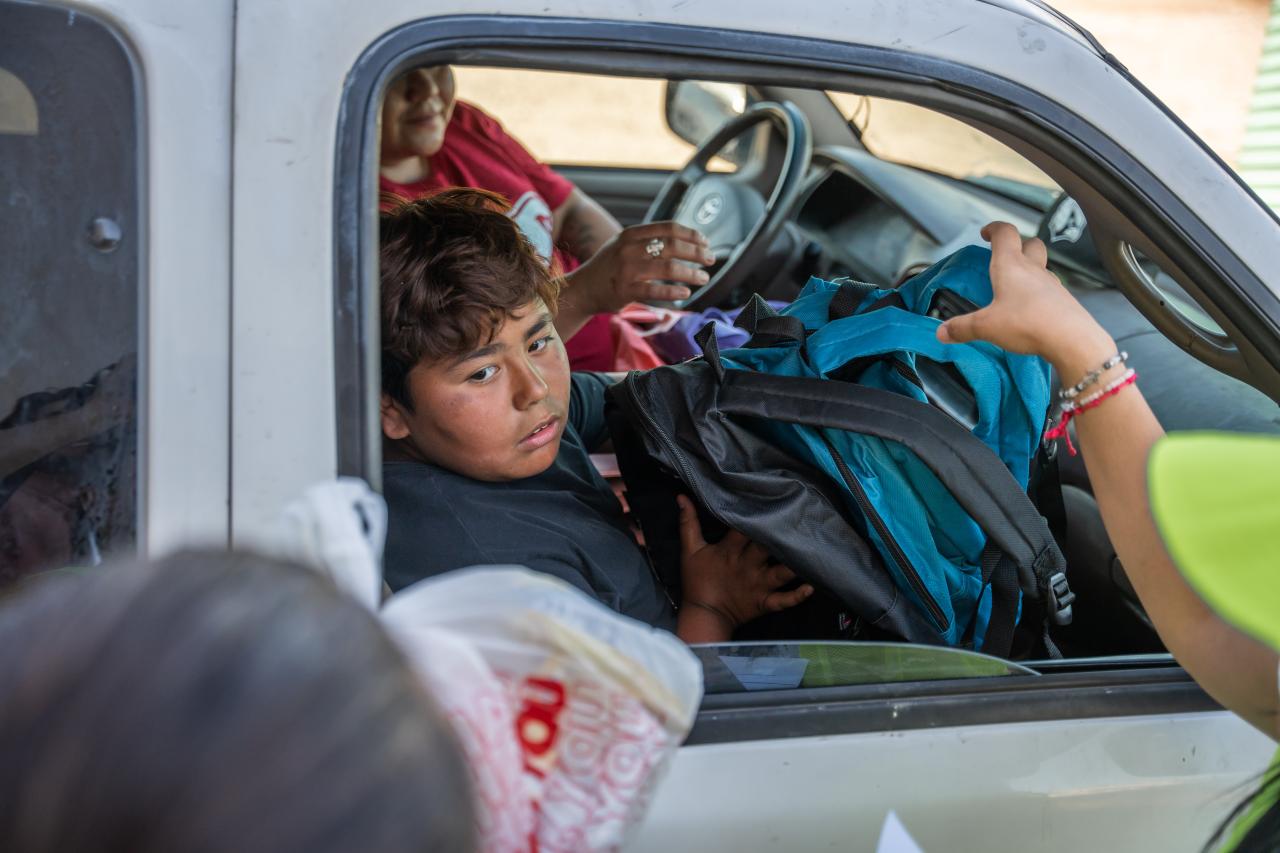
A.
pixel 565 521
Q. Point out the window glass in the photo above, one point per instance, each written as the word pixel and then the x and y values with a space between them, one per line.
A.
pixel 916 136
pixel 68 292
pixel 579 119
pixel 749 667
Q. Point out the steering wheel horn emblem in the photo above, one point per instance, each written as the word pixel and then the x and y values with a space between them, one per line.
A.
pixel 709 209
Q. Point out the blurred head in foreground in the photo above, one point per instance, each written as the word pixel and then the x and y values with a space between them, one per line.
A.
pixel 216 702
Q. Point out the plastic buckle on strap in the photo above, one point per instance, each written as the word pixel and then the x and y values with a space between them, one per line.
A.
pixel 1048 445
pixel 1060 599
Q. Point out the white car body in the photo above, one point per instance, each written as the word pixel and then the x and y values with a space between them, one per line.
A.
pixel 242 104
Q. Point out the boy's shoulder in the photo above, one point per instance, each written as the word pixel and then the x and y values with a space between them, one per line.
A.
pixel 586 408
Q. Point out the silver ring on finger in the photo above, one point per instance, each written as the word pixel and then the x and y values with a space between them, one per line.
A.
pixel 655 247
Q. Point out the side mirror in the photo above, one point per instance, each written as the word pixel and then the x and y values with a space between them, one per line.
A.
pixel 696 109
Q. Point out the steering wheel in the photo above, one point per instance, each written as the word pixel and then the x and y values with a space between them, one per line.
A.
pixel 738 221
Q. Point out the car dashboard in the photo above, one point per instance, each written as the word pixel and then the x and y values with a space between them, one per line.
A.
pixel 875 221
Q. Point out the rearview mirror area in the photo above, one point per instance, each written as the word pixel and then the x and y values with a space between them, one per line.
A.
pixel 695 109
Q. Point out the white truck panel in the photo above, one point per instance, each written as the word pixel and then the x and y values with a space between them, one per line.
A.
pixel 1134 783
pixel 184 57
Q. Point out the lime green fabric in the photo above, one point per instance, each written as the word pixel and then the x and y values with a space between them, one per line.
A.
pixel 1216 500
pixel 1259 806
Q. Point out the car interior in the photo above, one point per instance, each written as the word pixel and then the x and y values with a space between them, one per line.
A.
pixel 856 185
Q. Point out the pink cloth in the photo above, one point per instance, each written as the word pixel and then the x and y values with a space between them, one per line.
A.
pixel 630 349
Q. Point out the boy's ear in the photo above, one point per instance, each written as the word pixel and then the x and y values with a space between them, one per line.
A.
pixel 395 425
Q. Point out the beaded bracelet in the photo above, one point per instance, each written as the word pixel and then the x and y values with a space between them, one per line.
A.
pixel 1092 376
pixel 1070 410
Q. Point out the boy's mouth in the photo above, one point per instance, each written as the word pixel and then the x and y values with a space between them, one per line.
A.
pixel 543 434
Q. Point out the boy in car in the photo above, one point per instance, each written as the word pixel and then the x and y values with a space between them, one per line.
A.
pixel 487 434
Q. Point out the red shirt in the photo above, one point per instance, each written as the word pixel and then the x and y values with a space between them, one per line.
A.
pixel 477 152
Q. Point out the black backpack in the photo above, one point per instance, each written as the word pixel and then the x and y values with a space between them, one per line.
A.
pixel 700 429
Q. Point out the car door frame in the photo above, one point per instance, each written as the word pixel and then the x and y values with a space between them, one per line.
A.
pixel 656 50
pixel 1116 179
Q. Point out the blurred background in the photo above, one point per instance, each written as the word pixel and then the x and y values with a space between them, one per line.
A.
pixel 1201 57
pixel 1216 63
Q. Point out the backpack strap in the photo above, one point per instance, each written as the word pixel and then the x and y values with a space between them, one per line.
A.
pixel 974 475
pixel 779 329
pixel 998 572
pixel 767 327
pixel 706 341
pixel 751 313
pixel 1045 485
pixel 847 299
pixel 852 293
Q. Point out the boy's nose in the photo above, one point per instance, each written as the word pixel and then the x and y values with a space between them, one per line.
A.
pixel 531 388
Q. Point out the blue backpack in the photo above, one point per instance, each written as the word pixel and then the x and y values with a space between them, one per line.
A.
pixel 875 461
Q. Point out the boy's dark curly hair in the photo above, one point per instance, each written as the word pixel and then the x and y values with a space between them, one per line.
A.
pixel 454 267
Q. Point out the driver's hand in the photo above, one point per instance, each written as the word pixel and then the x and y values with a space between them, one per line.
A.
pixel 624 271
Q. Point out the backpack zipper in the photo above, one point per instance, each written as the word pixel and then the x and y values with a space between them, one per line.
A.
pixel 907 373
pixel 895 550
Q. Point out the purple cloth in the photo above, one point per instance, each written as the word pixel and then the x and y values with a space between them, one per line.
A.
pixel 677 343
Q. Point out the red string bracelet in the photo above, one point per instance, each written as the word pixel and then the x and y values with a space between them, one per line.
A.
pixel 1072 410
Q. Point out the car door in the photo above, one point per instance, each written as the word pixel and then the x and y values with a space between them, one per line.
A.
pixel 113 294
pixel 1065 758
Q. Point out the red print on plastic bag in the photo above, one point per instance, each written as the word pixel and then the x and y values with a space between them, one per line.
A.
pixel 538 723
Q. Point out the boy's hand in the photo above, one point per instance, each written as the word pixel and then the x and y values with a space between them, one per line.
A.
pixel 727 584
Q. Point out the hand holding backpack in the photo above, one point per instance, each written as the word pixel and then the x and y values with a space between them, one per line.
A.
pixel 875 461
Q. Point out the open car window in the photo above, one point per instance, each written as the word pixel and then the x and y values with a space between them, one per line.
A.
pixel 912 135
pixel 920 190
pixel 592 120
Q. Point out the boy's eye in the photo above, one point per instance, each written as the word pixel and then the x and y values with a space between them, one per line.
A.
pixel 482 374
pixel 540 344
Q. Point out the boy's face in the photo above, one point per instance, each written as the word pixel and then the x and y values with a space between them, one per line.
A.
pixel 494 414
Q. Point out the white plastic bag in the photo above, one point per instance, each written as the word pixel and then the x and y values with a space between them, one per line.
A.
pixel 339 529
pixel 568 712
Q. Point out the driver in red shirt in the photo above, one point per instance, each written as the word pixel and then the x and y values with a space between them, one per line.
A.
pixel 431 141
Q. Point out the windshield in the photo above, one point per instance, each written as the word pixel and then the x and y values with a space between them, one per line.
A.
pixel 739 667
pixel 920 137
